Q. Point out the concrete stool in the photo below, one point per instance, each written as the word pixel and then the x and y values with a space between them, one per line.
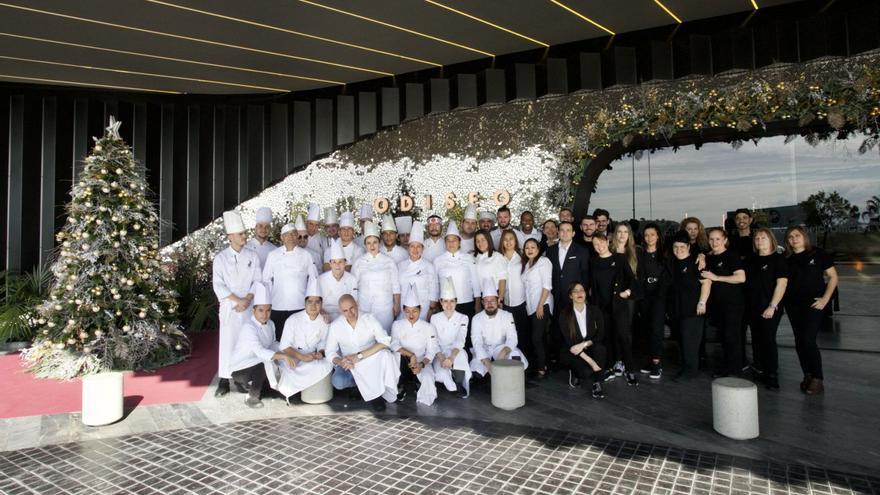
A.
pixel 102 398
pixel 735 408
pixel 318 393
pixel 508 384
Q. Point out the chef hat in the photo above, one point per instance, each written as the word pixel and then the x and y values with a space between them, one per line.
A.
pixel 330 216
pixel 312 289
pixel 336 252
pixel 370 229
pixel 233 222
pixel 447 289
pixel 452 229
pixel 470 213
pixel 261 294
pixel 314 214
pixel 299 225
pixel 435 219
pixel 288 227
pixel 411 298
pixel 388 223
pixel 487 215
pixel 366 211
pixel 404 224
pixel 264 215
pixel 417 233
pixel 346 219
pixel 489 289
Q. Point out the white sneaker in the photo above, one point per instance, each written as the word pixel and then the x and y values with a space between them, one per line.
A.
pixel 619 368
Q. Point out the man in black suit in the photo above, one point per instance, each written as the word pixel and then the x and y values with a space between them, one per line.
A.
pixel 571 263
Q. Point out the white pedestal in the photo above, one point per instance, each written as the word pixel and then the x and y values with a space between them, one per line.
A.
pixel 735 408
pixel 508 384
pixel 318 393
pixel 102 398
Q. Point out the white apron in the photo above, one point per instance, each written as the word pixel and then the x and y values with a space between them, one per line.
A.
pixel 376 375
pixel 421 274
pixel 451 335
pixel 233 273
pixel 305 336
pixel 421 340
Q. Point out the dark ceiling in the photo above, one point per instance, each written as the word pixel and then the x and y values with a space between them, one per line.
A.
pixel 257 46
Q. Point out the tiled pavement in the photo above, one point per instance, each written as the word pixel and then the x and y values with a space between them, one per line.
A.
pixel 361 454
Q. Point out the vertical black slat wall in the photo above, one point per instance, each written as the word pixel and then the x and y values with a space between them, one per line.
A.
pixel 303 152
pixel 14 183
pixel 139 133
pixel 256 166
pixel 5 155
pixel 345 123
pixel 367 116
pixel 206 165
pixel 230 158
pixel 241 170
pixel 166 174
pixel 323 126
pixel 279 140
pixel 218 161
pixel 191 200
pixel 47 178
pixel 80 135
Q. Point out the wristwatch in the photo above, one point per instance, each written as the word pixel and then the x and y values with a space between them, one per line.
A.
pixel 360 355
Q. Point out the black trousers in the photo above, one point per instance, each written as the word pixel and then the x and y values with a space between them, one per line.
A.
pixel 467 309
pixel 618 336
pixel 278 317
pixel 744 326
pixel 805 324
pixel 652 316
pixel 253 378
pixel 538 330
pixel 690 335
pixel 578 366
pixel 765 355
pixel 728 321
pixel 523 330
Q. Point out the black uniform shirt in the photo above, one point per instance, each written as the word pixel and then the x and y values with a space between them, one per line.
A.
pixel 724 265
pixel 603 272
pixel 684 292
pixel 761 275
pixel 806 276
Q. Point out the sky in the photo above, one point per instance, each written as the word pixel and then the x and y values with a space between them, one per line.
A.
pixel 717 178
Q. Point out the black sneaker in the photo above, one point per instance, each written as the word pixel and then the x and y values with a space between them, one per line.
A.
pixel 222 388
pixel 771 382
pixel 401 395
pixel 378 405
pixel 632 380
pixel 608 375
pixel 597 392
pixel 240 388
pixel 656 371
pixel 646 369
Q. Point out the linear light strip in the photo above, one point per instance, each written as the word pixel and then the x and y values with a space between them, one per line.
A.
pixel 399 28
pixel 198 40
pixel 671 14
pixel 137 73
pixel 571 10
pixel 755 4
pixel 296 33
pixel 93 85
pixel 171 59
pixel 496 26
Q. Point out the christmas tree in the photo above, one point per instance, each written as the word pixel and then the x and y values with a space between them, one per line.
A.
pixel 109 307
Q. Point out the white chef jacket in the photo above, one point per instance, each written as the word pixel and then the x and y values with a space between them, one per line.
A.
pixel 233 273
pixel 262 250
pixel 305 336
pixel 352 252
pixel 421 274
pixel 255 344
pixel 514 294
pixel 343 340
pixel 467 245
pixel 421 340
pixel 332 290
pixel 433 249
pixel 535 278
pixel 490 335
pixel 451 334
pixel 317 243
pixel 376 375
pixel 378 281
pixel 463 271
pixel 492 268
pixel 396 253
pixel 522 237
pixel 286 275
pixel 317 259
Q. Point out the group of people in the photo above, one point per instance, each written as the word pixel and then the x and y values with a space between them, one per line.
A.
pixel 409 304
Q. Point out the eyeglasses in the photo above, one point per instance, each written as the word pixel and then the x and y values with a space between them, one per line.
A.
pixel 301 237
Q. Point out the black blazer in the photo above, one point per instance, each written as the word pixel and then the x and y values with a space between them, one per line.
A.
pixel 571 334
pixel 575 269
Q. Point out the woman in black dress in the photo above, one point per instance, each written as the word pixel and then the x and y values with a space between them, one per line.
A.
pixel 687 296
pixel 653 277
pixel 612 282
pixel 582 331
pixel 766 280
pixel 726 305
pixel 812 281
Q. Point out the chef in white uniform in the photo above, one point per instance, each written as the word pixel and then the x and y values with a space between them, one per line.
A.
pixel 404 229
pixel 460 267
pixel 418 271
pixel 378 280
pixel 493 334
pixel 527 229
pixel 365 213
pixel 260 242
pixel 389 240
pixel 434 243
pixel 336 282
pixel 503 216
pixel 331 225
pixel 304 339
pixel 357 345
pixel 313 229
pixel 352 249
pixel 235 270
pixel 286 273
pixel 302 240
pixel 414 341
pixel 487 221
pixel 469 227
pixel 253 359
pixel 451 367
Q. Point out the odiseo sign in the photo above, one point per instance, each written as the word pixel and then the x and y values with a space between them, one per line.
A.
pixel 407 203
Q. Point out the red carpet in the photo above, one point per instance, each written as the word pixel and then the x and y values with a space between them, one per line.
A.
pixel 24 395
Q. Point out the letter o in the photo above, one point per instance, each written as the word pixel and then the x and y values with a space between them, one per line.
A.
pixel 502 198
pixel 381 205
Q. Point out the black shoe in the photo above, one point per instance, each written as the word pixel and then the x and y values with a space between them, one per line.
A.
pixel 646 369
pixel 632 380
pixel 656 371
pixel 461 393
pixel 608 375
pixel 597 392
pixel 771 382
pixel 253 402
pixel 401 395
pixel 222 388
pixel 240 388
pixel 378 405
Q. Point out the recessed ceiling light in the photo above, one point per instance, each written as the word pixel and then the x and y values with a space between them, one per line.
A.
pixel 197 40
pixel 496 26
pixel 91 85
pixel 399 28
pixel 566 7
pixel 671 14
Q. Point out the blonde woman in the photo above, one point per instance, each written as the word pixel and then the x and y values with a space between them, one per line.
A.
pixel 696 233
pixel 766 281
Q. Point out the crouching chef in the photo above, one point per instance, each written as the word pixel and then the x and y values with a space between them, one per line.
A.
pixel 415 343
pixel 451 367
pixel 252 360
pixel 358 347
pixel 493 333
pixel 304 339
